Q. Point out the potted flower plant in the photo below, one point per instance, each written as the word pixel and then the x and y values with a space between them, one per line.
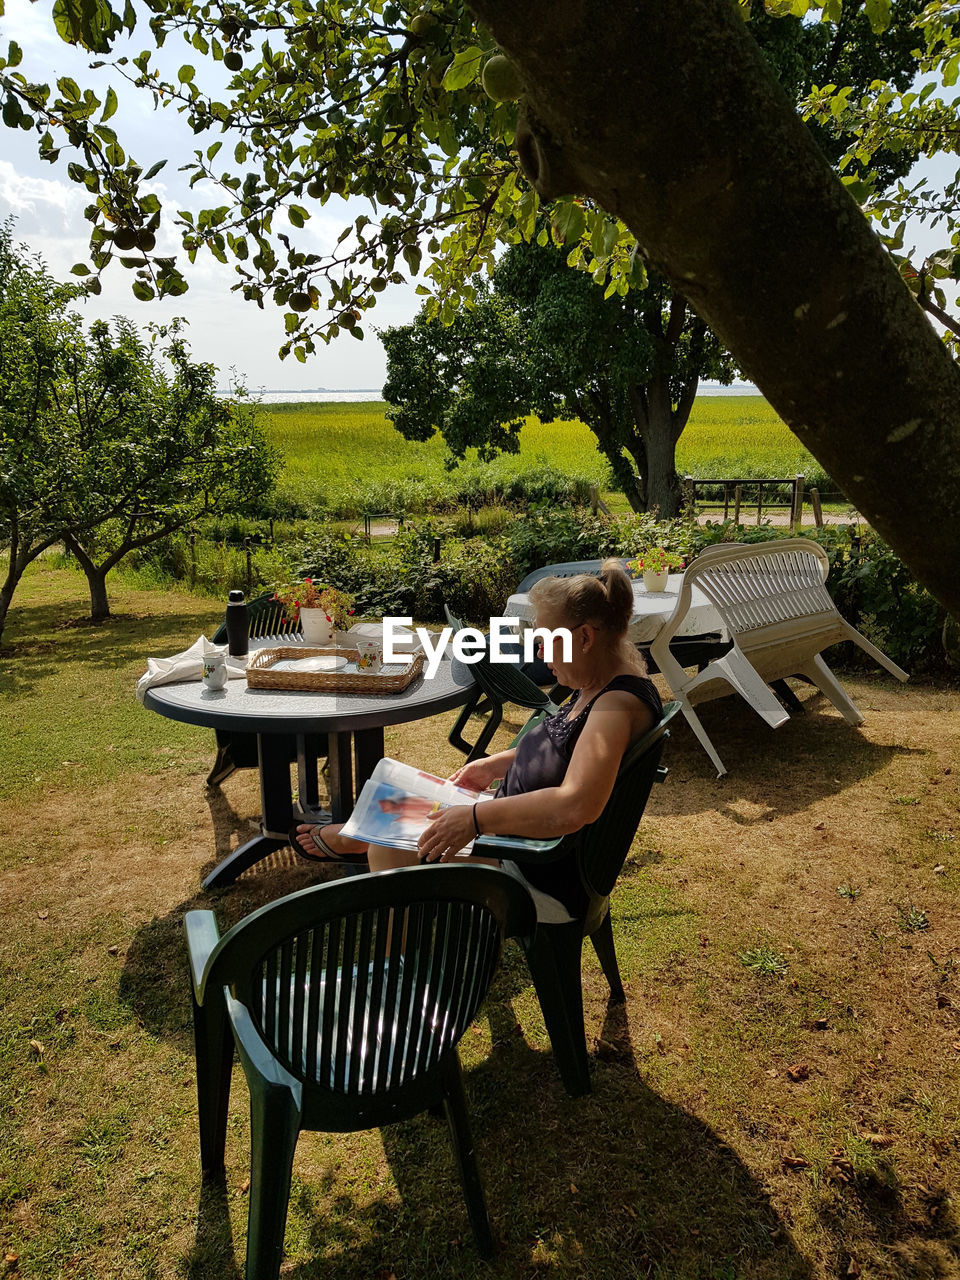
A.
pixel 322 609
pixel 655 564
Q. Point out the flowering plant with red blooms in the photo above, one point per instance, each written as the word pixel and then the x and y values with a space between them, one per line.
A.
pixel 308 594
pixel 655 560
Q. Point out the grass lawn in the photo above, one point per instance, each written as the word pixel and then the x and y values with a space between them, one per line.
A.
pixel 778 1098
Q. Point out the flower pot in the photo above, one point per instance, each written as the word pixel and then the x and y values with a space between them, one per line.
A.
pixel 317 628
pixel 653 581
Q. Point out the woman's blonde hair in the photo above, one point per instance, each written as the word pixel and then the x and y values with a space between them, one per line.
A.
pixel 605 600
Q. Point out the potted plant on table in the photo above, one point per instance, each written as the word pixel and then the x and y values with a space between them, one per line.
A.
pixel 322 609
pixel 655 564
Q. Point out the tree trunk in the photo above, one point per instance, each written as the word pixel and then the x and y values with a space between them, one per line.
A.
pixel 666 114
pixel 99 604
pixel 663 483
pixel 653 438
pixel 96 576
pixel 6 595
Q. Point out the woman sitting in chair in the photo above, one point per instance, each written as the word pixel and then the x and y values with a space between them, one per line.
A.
pixel 560 775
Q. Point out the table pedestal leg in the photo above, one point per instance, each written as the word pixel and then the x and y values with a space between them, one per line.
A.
pixel 340 760
pixel 276 806
pixel 368 752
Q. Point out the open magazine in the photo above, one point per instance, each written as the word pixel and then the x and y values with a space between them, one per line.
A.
pixel 393 806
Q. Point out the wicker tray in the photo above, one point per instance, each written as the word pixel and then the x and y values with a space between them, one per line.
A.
pixel 394 677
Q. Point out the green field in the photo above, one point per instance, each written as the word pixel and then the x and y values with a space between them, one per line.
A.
pixel 348 456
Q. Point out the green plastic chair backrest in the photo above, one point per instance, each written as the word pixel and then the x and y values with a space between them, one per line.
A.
pixel 603 845
pixel 360 987
pixel 569 569
pixel 267 617
pixel 504 682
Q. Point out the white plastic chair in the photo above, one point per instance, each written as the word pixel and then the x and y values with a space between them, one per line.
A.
pixel 779 616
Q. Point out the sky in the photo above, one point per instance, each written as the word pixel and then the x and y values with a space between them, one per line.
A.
pixel 223 329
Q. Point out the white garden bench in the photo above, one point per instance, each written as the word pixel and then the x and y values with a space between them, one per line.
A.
pixel 779 615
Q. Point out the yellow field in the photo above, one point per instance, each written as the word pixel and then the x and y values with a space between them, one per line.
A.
pixel 349 455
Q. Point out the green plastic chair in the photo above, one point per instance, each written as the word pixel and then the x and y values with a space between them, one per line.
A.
pixel 554 950
pixel 495 683
pixel 237 750
pixel 346 1002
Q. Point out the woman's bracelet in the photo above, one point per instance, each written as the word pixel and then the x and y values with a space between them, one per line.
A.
pixel 476 824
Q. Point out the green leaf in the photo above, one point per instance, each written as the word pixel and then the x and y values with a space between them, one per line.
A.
pixel 69 89
pixel 142 290
pixel 186 73
pixel 878 13
pixel 448 138
pixel 109 105
pixel 464 69
pixel 89 23
pixel 569 222
pixel 80 269
pixel 154 170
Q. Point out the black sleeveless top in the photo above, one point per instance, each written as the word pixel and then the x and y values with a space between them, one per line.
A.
pixel 542 758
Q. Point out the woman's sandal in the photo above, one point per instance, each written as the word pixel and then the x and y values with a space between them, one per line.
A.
pixel 324 852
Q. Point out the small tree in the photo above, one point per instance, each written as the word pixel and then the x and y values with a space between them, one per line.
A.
pixel 547 341
pixel 156 449
pixel 102 448
pixel 37 484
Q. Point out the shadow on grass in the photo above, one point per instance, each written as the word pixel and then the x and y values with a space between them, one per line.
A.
pixel 816 750
pixel 40 640
pixel 213 1252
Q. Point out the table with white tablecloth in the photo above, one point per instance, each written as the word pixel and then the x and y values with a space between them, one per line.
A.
pixel 651 609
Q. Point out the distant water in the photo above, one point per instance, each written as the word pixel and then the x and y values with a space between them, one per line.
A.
pixel 318 397
pixel 341 397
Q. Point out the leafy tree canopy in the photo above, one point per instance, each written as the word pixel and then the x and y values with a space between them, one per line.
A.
pixel 295 102
pixel 545 340
pixel 886 117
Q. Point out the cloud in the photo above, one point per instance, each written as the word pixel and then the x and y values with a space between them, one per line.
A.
pixel 39 198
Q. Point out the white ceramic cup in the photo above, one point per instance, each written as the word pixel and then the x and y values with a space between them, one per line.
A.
pixel 369 657
pixel 214 670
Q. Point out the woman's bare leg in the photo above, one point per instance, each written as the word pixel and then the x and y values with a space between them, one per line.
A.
pixel 383 859
pixel 380 858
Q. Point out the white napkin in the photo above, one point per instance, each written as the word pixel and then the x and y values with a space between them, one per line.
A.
pixel 404 641
pixel 187 666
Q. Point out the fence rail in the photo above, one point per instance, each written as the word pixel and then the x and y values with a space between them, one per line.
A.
pixel 733 488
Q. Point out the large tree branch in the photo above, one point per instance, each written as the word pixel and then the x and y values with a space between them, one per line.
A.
pixel 666 114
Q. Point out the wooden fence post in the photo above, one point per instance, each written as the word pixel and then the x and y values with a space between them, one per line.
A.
pixel 688 490
pixel 737 496
pixel 817 509
pixel 796 515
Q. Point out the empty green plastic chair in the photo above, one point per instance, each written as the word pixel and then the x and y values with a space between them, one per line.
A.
pixel 237 750
pixel 495 683
pixel 346 1002
pixel 554 950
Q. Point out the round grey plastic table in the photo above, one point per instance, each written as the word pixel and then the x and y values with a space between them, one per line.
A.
pixel 284 720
